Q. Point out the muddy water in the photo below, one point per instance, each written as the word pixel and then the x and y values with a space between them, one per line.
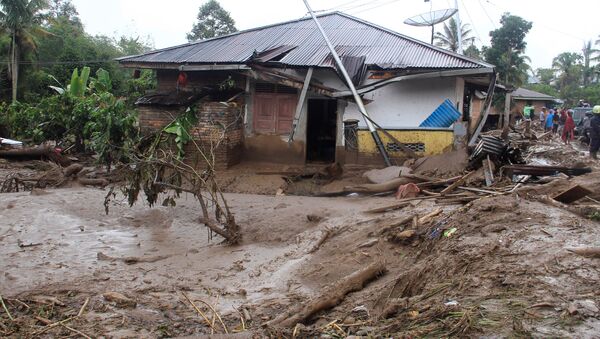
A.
pixel 68 229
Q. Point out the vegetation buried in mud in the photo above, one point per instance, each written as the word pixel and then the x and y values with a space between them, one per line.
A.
pixel 155 169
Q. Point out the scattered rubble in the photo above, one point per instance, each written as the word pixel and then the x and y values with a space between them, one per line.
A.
pixel 504 244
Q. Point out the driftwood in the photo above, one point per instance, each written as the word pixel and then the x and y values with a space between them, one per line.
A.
pixel 330 297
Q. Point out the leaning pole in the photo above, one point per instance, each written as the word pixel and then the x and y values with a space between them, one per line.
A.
pixel 357 98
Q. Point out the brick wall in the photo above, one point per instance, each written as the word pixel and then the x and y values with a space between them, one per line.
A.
pixel 220 129
pixel 154 118
pixel 219 132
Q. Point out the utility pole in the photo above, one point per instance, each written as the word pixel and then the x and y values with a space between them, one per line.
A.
pixel 459 28
pixel 357 98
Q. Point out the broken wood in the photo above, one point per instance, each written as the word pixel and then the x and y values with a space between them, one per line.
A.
pixel 405 202
pixel 572 194
pixel 457 183
pixel 330 297
pixel 437 183
pixel 549 201
pixel 588 252
pixel 429 216
pixel 488 171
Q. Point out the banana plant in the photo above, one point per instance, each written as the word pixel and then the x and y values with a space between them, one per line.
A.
pixel 78 85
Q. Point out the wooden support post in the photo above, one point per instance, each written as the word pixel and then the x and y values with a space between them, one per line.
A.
pixel 485 111
pixel 300 104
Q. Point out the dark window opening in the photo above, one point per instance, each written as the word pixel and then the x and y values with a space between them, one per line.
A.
pixel 265 87
pixel 321 130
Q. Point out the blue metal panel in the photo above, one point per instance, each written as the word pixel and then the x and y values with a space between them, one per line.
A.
pixel 443 116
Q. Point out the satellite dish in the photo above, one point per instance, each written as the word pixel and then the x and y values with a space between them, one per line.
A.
pixel 431 18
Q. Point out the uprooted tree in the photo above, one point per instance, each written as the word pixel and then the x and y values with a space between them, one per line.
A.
pixel 158 170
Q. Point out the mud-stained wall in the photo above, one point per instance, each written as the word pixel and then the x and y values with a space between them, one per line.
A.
pixel 273 148
pixel 434 141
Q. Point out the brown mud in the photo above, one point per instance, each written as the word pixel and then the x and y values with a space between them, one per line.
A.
pixel 499 266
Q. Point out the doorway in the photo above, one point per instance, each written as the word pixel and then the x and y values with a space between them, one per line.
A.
pixel 321 130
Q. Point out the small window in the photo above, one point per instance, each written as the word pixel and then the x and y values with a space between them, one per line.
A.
pixel 418 147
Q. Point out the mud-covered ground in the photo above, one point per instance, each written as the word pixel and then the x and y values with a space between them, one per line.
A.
pixel 499 266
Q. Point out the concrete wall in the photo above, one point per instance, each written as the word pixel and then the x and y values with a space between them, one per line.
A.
pixel 406 104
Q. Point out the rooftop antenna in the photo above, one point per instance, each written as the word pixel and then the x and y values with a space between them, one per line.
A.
pixel 431 18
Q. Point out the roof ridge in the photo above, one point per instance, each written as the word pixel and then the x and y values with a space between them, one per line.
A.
pixel 439 49
pixel 226 36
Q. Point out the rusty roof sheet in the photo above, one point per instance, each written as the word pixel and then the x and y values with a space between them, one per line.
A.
pixel 354 37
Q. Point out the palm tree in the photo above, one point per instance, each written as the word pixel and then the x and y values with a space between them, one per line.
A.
pixel 20 18
pixel 568 64
pixel 588 55
pixel 449 39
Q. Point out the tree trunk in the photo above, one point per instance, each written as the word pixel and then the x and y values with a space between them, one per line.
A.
pixel 14 67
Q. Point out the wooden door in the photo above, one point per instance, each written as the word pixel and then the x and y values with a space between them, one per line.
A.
pixel 274 112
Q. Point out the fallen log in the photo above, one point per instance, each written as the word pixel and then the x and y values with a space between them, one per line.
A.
pixel 378 188
pixel 330 297
pixel 72 170
pixel 27 153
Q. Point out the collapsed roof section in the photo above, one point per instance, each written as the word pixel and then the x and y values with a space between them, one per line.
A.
pixel 298 43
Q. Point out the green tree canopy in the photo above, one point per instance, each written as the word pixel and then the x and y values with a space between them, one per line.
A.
pixel 449 38
pixel 507 49
pixel 213 21
pixel 21 19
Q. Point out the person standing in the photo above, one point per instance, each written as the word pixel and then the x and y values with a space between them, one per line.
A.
pixel 543 117
pixel 549 120
pixel 527 113
pixel 568 133
pixel 555 122
pixel 562 120
pixel 595 132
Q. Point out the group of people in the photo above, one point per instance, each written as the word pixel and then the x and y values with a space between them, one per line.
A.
pixel 559 121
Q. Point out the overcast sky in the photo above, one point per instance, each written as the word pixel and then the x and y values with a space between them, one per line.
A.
pixel 558 26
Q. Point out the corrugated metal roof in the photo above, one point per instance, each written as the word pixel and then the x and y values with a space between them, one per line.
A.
pixel 523 93
pixel 351 36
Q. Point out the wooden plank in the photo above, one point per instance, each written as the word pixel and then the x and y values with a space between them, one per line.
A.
pixel 300 104
pixel 457 183
pixel 572 194
pixel 487 172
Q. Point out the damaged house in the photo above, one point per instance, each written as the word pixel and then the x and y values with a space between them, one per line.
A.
pixel 274 94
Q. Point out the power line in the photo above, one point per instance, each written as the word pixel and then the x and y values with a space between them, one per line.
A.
pixel 339 7
pixel 487 14
pixel 541 24
pixel 74 62
pixel 472 22
pixel 376 6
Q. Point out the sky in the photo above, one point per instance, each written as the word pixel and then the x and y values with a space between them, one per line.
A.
pixel 558 26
